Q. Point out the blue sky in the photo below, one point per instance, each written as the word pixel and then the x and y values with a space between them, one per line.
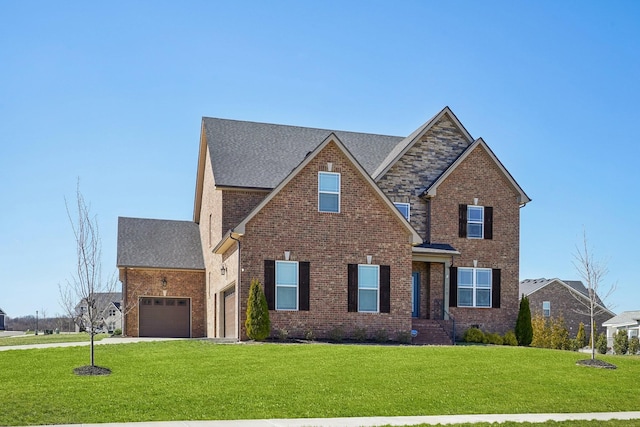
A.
pixel 114 92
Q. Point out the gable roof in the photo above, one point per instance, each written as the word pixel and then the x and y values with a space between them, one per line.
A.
pixel 2 313
pixel 432 188
pixel 403 146
pixel 529 286
pixel 626 318
pixel 239 230
pixel 261 155
pixel 104 299
pixel 155 243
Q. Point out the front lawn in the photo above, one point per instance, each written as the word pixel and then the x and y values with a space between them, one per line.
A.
pixel 198 380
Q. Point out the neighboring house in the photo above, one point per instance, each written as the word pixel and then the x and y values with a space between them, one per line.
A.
pixel 552 298
pixel 346 231
pixel 627 320
pixel 110 315
pixel 2 316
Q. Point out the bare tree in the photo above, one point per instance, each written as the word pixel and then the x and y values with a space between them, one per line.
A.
pixel 87 282
pixel 592 272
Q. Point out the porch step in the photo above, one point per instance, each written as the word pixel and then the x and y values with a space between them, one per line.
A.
pixel 432 332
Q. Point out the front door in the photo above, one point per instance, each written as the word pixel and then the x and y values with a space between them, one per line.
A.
pixel 415 294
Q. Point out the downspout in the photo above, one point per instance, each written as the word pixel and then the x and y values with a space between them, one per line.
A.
pixel 125 302
pixel 238 285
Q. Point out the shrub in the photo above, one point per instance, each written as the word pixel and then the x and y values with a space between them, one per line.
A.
pixel 309 335
pixel 574 344
pixel 524 329
pixel 404 337
pixel 559 334
pixel 634 345
pixel 541 332
pixel 258 323
pixel 283 334
pixel 473 335
pixel 117 332
pixel 336 334
pixel 493 338
pixel 360 334
pixel 381 336
pixel 621 342
pixel 601 343
pixel 581 336
pixel 510 338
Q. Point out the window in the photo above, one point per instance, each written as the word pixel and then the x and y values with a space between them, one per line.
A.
pixel 405 209
pixel 112 312
pixel 368 284
pixel 369 288
pixel 328 192
pixel 474 287
pixel 546 308
pixel 286 285
pixel 475 222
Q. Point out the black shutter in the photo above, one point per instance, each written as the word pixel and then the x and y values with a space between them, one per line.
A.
pixel 453 287
pixel 303 286
pixel 270 283
pixel 462 220
pixel 352 288
pixel 385 289
pixel 495 288
pixel 488 222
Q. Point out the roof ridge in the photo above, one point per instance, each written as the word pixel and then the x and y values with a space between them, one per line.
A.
pixel 302 127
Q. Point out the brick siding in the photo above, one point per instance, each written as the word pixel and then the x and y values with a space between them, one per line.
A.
pixel 330 241
pixel 564 304
pixel 148 282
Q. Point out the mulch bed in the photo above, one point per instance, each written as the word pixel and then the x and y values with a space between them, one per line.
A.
pixel 91 370
pixel 596 363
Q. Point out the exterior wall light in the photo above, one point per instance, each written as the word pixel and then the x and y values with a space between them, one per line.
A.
pixel 223 270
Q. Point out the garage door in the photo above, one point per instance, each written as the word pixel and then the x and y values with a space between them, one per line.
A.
pixel 230 313
pixel 165 317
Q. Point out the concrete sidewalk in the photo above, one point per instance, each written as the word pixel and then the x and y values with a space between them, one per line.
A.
pixel 104 341
pixel 379 421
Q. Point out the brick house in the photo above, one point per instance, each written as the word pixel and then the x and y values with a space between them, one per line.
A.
pixel 345 230
pixel 552 298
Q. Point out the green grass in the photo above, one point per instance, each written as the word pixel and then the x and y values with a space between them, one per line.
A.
pixel 198 380
pixel 48 339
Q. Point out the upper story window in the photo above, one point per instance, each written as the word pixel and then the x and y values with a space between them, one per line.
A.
pixel 546 308
pixel 328 192
pixel 286 285
pixel 405 209
pixel 474 287
pixel 112 312
pixel 475 222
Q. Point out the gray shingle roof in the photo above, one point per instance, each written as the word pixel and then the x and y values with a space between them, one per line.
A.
pixel 103 299
pixel 528 286
pixel 624 318
pixel 261 155
pixel 159 243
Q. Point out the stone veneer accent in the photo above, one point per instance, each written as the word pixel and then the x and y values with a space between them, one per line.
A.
pixel 420 166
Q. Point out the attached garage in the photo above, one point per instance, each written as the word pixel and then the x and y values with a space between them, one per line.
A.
pixel 165 317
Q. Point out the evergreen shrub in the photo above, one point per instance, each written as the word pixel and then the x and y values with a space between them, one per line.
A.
pixel 621 342
pixel 258 324
pixel 473 335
